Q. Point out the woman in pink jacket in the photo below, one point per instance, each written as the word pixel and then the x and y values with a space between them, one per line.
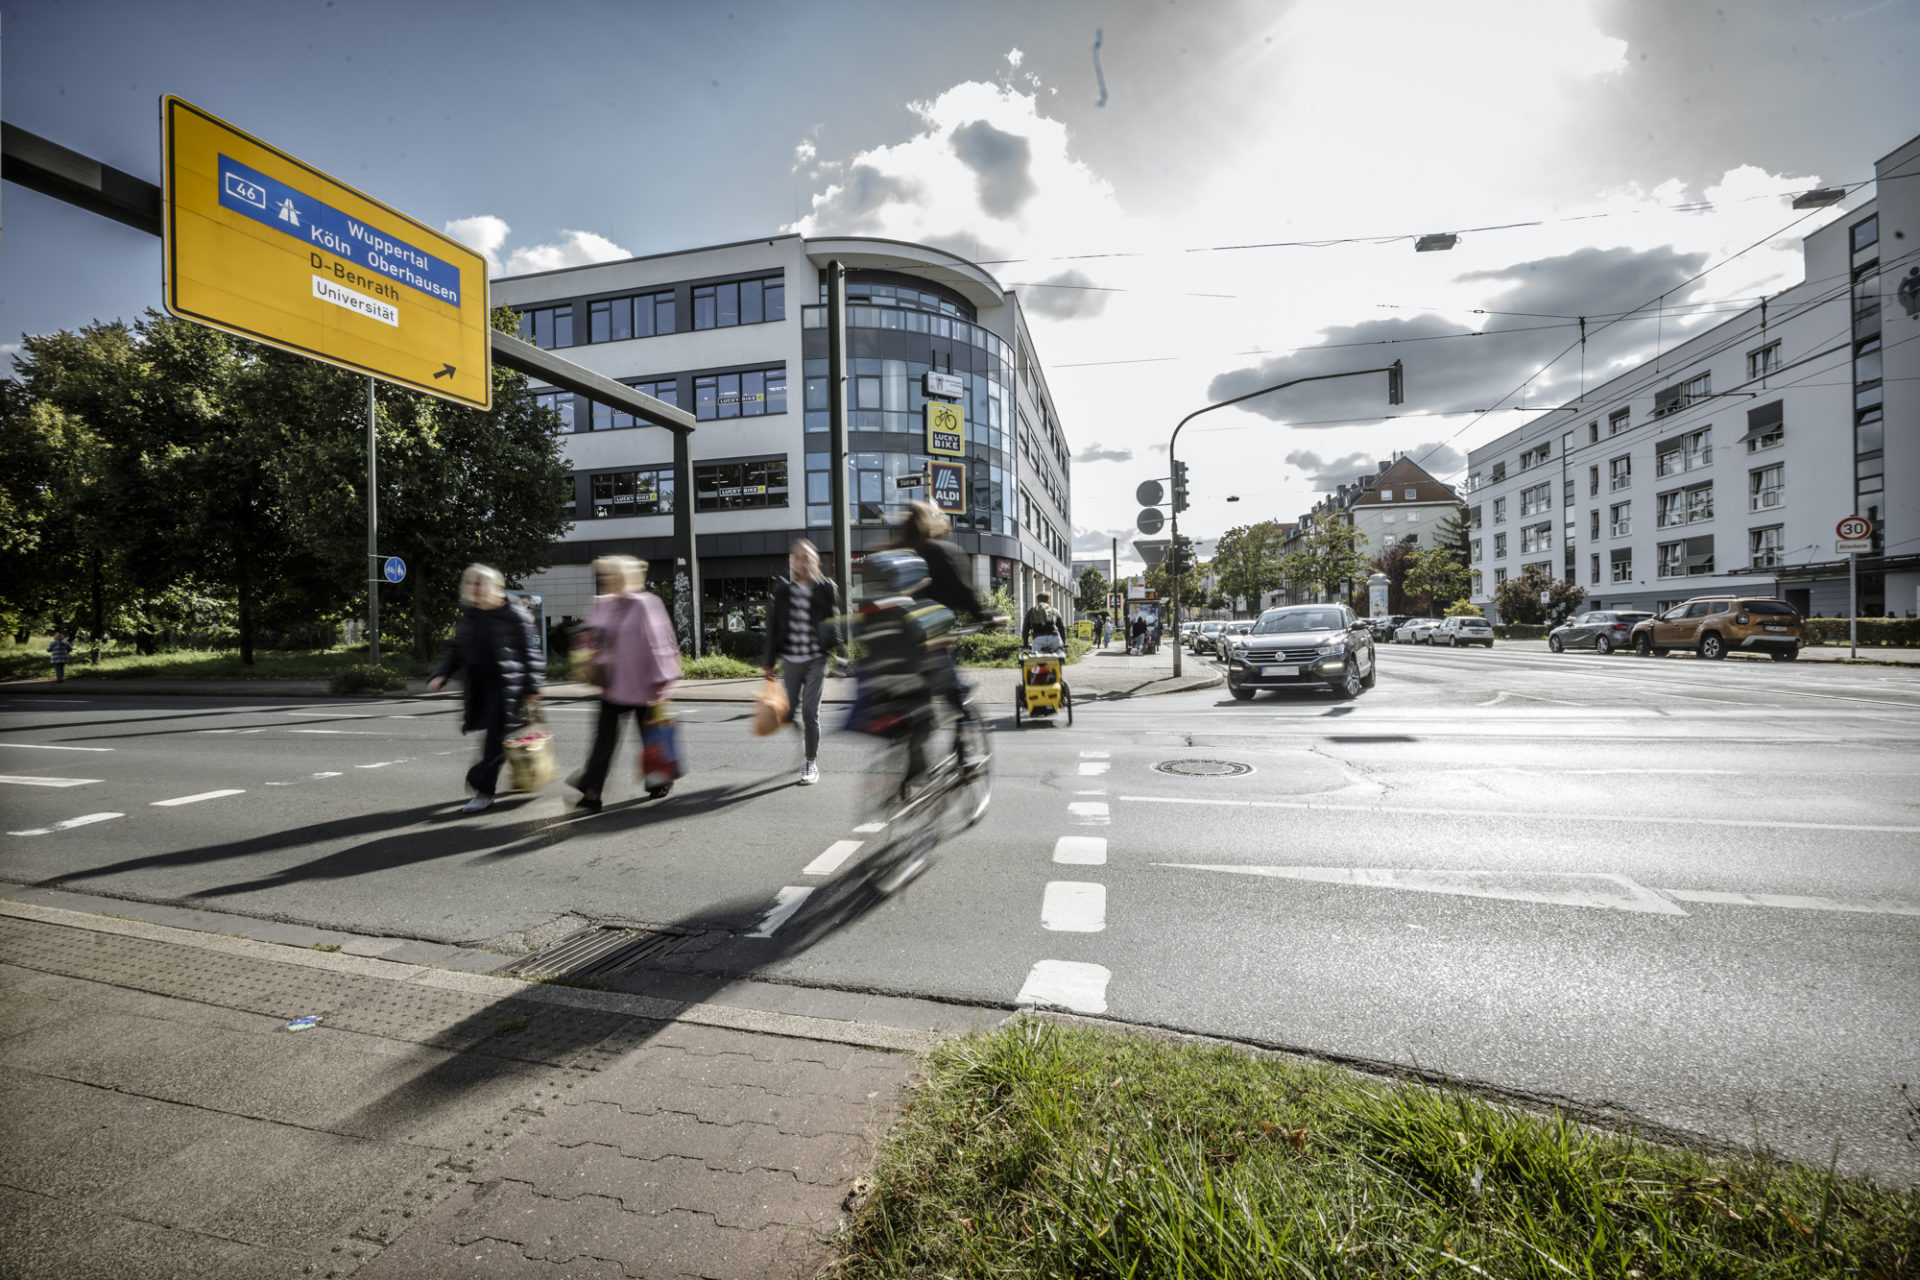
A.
pixel 638 661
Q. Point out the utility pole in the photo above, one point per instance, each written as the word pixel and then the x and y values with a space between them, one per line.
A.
pixel 837 428
pixel 373 536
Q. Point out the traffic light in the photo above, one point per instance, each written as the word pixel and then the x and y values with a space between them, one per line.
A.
pixel 1180 557
pixel 1396 384
pixel 1179 487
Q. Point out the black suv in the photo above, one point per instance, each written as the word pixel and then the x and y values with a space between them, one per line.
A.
pixel 1302 646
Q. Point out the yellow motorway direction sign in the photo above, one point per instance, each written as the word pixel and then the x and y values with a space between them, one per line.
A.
pixel 259 244
pixel 946 429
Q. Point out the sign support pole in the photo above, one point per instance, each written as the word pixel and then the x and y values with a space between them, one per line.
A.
pixel 373 538
pixel 837 430
pixel 1853 606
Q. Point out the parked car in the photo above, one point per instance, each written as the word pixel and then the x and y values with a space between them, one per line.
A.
pixel 1414 630
pixel 1203 635
pixel 1602 630
pixel 1229 630
pixel 1319 646
pixel 1382 628
pixel 1711 625
pixel 1454 632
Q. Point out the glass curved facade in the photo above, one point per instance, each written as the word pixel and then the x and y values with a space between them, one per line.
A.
pixel 898 329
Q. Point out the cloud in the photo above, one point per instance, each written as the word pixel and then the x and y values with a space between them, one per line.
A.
pixel 803 154
pixel 1529 322
pixel 1438 458
pixel 1070 295
pixel 1088 543
pixel 855 203
pixel 488 235
pixel 1097 452
pixel 1015 57
pixel 1003 164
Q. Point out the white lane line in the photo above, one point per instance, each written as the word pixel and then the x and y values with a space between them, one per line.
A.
pixel 785 903
pixel 1074 906
pixel 234 731
pixel 379 764
pixel 1081 851
pixel 1095 755
pixel 20 780
pixel 1093 768
pixel 356 733
pixel 1066 984
pixel 334 774
pixel 1556 888
pixel 82 821
pixel 870 828
pixel 1414 811
pixel 204 795
pixel 829 862
pixel 334 715
pixel 1793 902
pixel 1092 791
pixel 48 746
pixel 1582 771
pixel 1091 813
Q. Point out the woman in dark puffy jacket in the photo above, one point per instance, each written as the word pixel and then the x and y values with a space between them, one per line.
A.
pixel 494 644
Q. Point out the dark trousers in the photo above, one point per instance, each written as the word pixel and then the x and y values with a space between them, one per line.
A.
pixel 606 736
pixel 489 694
pixel 943 682
pixel 59 672
pixel 803 678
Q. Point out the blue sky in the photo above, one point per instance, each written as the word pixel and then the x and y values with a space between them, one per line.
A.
pixel 567 132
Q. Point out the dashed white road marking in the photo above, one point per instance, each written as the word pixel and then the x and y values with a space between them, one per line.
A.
pixel 235 731
pixel 1557 888
pixel 1090 813
pixel 785 903
pixel 48 746
pixel 1083 851
pixel 829 862
pixel 22 780
pixel 1066 984
pixel 1793 902
pixel 82 821
pixel 1598 818
pixel 356 733
pixel 379 764
pixel 1093 768
pixel 1095 755
pixel 870 828
pixel 333 774
pixel 196 799
pixel 1074 906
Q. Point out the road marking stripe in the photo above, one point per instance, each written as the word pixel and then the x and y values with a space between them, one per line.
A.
pixel 1792 902
pixel 379 764
pixel 784 905
pixel 1090 813
pixel 334 774
pixel 871 828
pixel 82 821
pixel 1084 851
pixel 1522 817
pixel 204 795
pixel 1074 906
pixel 1093 768
pixel 357 733
pixel 1066 984
pixel 232 731
pixel 1095 755
pixel 48 746
pixel 829 862
pixel 20 780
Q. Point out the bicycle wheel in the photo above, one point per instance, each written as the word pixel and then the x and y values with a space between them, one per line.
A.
pixel 975 743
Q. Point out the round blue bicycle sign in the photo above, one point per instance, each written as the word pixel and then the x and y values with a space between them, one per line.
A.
pixel 396 569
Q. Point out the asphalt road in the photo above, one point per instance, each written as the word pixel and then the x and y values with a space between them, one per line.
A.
pixel 1678 893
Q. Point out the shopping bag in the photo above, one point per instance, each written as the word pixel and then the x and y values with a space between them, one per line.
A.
pixel 660 760
pixel 769 708
pixel 530 762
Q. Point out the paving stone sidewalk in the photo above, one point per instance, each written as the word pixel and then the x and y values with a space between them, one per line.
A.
pixel 162 1120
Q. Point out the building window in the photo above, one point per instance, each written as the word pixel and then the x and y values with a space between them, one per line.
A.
pixel 1620 473
pixel 644 491
pixel 1593 481
pixel 1593 570
pixel 547 327
pixel 1866 234
pixel 1768 439
pixel 1474 549
pixel 1475 514
pixel 1767 487
pixel 1681 394
pixel 1499 473
pixel 1684 453
pixel 608 418
pixel 1386 495
pixel 1499 510
pixel 1593 525
pixel 559 403
pixel 748 394
pixel 1685 506
pixel 1620 519
pixel 1869 431
pixel 1764 361
pixel 1593 432
pixel 1618 421
pixel 1536 538
pixel 1536 455
pixel 1499 546
pixel 735 486
pixel 1866 361
pixel 1407 494
pixel 1499 577
pixel 1622 560
pixel 722 306
pixel 1566 498
pixel 1690 558
pixel 1766 548
pixel 1535 500
pixel 635 316
pixel 1479 584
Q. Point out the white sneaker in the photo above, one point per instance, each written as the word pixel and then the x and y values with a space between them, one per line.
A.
pixel 809 774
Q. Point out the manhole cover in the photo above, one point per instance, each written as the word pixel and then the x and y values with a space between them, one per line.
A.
pixel 1204 768
pixel 599 950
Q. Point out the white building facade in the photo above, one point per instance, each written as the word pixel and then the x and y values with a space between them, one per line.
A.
pixel 1725 464
pixel 736 334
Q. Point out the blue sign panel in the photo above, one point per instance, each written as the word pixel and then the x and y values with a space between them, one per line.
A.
pixel 321 226
pixel 396 568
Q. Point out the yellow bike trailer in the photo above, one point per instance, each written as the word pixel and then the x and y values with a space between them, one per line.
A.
pixel 1043 688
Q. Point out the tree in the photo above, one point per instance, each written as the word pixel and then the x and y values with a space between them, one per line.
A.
pixel 1091 592
pixel 1518 599
pixel 1456 531
pixel 1434 577
pixel 1247 562
pixel 1465 609
pixel 1394 562
pixel 1193 591
pixel 1329 558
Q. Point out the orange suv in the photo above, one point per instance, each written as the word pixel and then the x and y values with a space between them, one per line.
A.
pixel 1711 625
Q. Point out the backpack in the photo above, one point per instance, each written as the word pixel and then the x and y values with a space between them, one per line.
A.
pixel 892 694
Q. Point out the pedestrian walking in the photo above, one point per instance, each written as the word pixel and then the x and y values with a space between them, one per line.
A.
pixel 1137 635
pixel 57 653
pixel 494 647
pixel 636 660
pixel 802 604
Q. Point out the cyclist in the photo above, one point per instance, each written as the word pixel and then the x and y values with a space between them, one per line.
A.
pixel 923 531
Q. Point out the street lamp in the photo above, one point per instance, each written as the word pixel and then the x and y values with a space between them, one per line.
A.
pixel 1396 393
pixel 1429 244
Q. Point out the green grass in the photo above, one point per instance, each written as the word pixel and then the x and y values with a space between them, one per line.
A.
pixel 122 663
pixel 1039 1150
pixel 716 666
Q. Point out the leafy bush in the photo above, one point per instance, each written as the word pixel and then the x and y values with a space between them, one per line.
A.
pixel 1896 632
pixel 717 666
pixel 747 646
pixel 1522 631
pixel 363 678
pixel 1465 609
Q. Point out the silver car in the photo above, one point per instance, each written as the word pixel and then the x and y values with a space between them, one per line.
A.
pixel 1414 630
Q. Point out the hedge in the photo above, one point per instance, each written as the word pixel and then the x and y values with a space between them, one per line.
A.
pixel 1894 632
pixel 1521 631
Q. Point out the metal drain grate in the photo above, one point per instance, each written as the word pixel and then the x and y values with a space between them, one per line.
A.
pixel 600 949
pixel 1204 768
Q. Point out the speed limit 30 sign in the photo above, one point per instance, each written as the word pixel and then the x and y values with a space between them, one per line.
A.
pixel 1855 534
